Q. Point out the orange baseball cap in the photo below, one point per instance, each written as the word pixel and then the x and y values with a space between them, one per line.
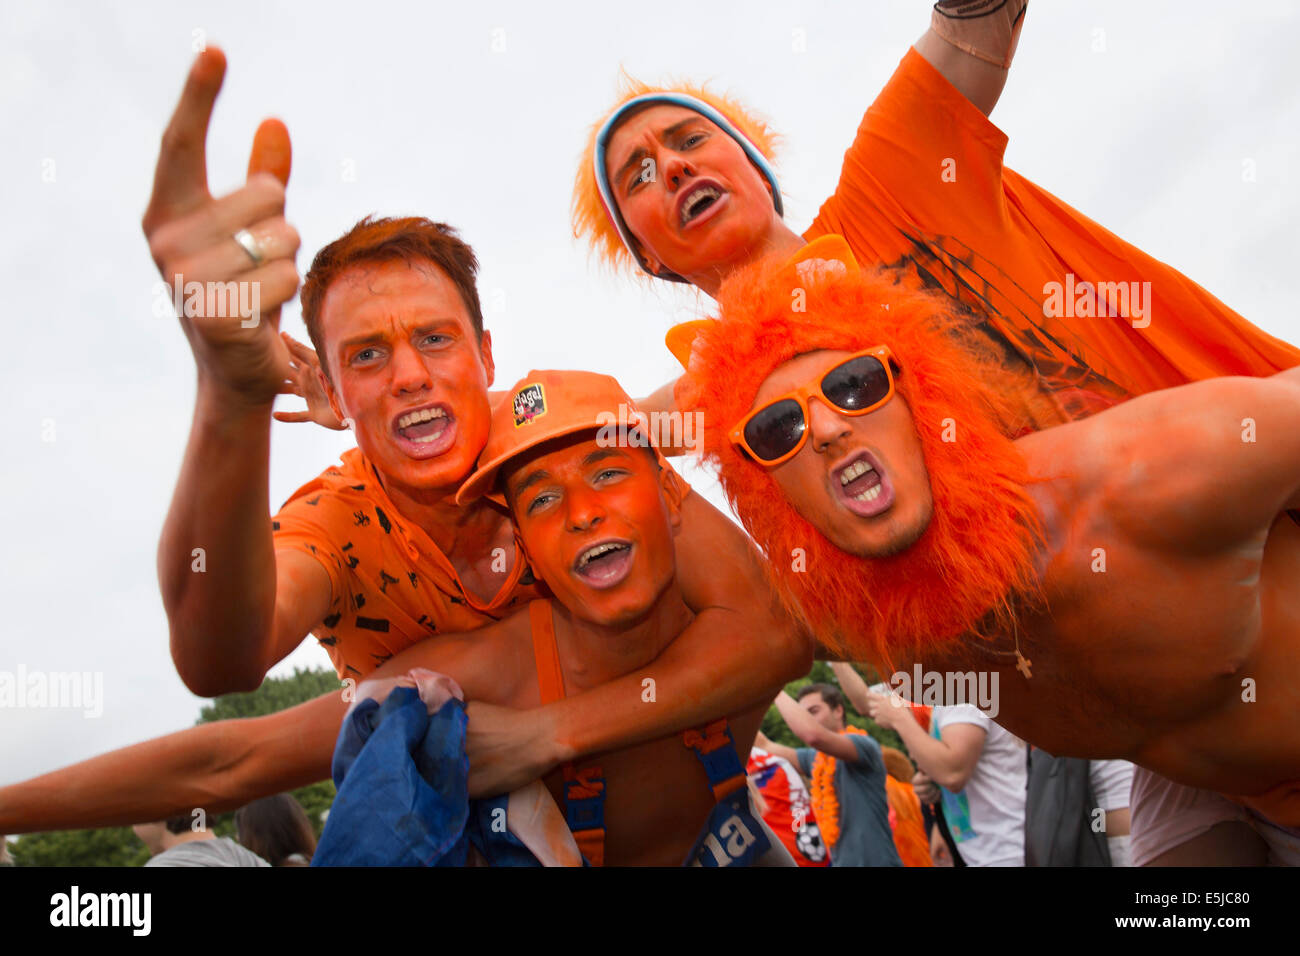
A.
pixel 546 405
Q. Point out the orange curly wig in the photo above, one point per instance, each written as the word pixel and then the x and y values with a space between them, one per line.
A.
pixel 588 213
pixel 974 560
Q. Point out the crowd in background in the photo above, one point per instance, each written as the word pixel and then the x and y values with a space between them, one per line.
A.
pixel 970 794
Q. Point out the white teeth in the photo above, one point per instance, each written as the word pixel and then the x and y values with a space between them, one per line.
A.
pixel 853 471
pixel 596 552
pixel 696 196
pixel 871 494
pixel 424 415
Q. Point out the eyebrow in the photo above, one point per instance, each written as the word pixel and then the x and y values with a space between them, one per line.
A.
pixel 640 152
pixel 532 478
pixel 373 339
pixel 600 454
pixel 541 474
pixel 376 338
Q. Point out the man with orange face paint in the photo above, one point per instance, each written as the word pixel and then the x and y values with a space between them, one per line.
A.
pixel 596 511
pixel 677 182
pixel 375 555
pixel 1123 604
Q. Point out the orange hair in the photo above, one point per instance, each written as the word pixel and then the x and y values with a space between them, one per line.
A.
pixel 897 764
pixel 588 213
pixel 974 558
pixel 408 239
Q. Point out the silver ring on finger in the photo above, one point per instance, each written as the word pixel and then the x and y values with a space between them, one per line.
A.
pixel 248 242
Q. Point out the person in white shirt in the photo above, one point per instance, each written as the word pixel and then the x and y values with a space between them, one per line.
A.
pixel 981 768
pixel 1111 781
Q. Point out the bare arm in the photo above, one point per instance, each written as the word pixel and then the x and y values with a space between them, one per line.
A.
pixel 972 43
pixel 218 766
pixel 487 663
pixel 778 750
pixel 221 766
pixel 948 761
pixel 851 682
pixel 1249 428
pixel 216 560
pixel 806 728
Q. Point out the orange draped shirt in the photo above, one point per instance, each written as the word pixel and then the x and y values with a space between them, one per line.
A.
pixel 924 187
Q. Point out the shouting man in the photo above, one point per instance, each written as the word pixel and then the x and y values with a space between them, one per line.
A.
pixel 1130 605
pixel 676 182
pixel 376 554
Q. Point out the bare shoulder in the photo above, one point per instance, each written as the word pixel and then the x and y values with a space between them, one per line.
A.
pixel 487 662
pixel 1166 465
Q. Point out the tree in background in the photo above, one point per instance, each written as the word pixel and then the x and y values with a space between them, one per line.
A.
pixel 775 727
pixel 276 694
pixel 118 846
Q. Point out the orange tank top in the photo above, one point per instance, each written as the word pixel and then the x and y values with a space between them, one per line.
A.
pixel 584 788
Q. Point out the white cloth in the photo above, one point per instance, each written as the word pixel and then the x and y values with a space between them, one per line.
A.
pixel 1111 782
pixel 995 792
pixel 1167 814
pixel 1119 848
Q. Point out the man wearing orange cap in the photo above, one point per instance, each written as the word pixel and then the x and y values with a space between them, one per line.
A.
pixel 676 182
pixel 1128 581
pixel 375 555
pixel 596 512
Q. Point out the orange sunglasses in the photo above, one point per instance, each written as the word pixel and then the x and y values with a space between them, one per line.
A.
pixel 774 433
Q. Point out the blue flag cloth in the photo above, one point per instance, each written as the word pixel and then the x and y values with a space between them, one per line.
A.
pixel 403 792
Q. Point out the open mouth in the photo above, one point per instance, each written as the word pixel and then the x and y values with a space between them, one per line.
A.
pixel 862 486
pixel 425 432
pixel 604 564
pixel 700 200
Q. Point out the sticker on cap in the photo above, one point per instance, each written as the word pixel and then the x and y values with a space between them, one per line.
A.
pixel 529 404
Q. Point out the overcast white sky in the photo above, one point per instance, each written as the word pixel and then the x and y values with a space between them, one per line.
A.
pixel 1141 115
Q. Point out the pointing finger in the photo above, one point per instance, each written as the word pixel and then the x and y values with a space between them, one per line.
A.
pixel 180 181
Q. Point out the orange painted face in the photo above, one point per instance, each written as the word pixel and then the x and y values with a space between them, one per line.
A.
pixel 409 371
pixel 597 524
pixel 687 191
pixel 860 480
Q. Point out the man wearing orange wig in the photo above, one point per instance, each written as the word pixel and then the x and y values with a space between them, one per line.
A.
pixel 676 181
pixel 1128 579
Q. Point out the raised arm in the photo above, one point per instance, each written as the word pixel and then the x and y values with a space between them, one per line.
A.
pixel 777 750
pixel 736 654
pixel 972 43
pixel 221 586
pixel 218 766
pixel 806 727
pixel 851 682
pixel 949 761
pixel 1248 427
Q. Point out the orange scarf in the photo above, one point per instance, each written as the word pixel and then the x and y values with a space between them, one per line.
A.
pixel 908 824
pixel 825 804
